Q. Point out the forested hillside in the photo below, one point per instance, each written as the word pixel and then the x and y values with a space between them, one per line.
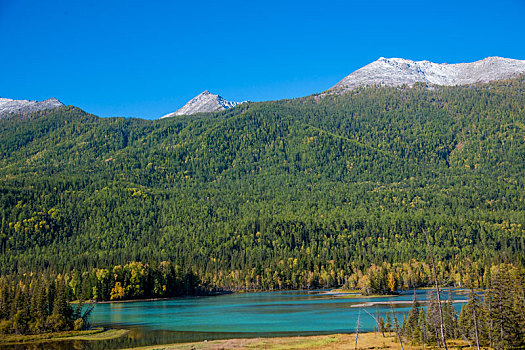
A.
pixel 288 194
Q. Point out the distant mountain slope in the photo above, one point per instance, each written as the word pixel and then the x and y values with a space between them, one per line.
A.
pixel 400 71
pixel 9 106
pixel 202 103
pixel 285 194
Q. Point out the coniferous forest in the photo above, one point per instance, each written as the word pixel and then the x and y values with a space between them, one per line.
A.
pixel 348 190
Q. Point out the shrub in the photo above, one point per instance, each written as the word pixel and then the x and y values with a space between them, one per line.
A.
pixel 79 324
pixel 5 326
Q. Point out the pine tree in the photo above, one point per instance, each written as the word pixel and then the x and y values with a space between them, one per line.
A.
pixel 433 319
pixel 381 325
pixel 423 335
pixel 450 318
pixel 5 299
pixel 60 318
pixel 504 301
pixel 411 326
pixel 471 321
pixel 388 323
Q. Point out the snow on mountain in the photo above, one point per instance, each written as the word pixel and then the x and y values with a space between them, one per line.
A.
pixel 9 106
pixel 204 102
pixel 400 71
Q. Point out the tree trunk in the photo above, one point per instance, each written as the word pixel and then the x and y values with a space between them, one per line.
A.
pixel 394 318
pixel 377 322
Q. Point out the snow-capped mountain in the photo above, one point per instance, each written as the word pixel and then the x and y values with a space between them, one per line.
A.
pixel 9 106
pixel 400 71
pixel 204 102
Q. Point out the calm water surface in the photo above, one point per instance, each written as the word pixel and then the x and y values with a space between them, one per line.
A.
pixel 238 315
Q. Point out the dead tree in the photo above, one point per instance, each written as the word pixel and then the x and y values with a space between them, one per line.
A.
pixel 396 328
pixel 375 318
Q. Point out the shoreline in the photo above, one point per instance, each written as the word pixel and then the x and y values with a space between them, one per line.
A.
pixel 401 302
pixel 337 341
pixel 336 292
pixel 153 299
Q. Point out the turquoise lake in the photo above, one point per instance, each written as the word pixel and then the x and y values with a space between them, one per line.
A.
pixel 242 315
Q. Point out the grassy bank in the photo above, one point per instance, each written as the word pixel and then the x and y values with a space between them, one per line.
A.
pixel 321 342
pixel 92 334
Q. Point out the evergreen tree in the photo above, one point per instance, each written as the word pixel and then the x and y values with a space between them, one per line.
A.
pixel 388 323
pixel 423 331
pixel 411 328
pixel 472 320
pixel 381 325
pixel 450 318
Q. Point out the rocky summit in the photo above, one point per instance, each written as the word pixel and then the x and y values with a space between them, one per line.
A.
pixel 400 71
pixel 202 103
pixel 9 107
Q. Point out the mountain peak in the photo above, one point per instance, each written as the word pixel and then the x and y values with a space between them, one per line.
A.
pixel 53 100
pixel 202 103
pixel 9 106
pixel 401 71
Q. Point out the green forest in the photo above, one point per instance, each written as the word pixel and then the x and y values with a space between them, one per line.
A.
pixel 323 191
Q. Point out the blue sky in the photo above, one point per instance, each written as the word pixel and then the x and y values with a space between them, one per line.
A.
pixel 147 58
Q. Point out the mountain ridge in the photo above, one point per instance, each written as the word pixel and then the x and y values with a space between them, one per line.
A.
pixel 9 106
pixel 390 72
pixel 401 71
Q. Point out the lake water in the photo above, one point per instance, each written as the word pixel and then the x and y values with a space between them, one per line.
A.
pixel 241 315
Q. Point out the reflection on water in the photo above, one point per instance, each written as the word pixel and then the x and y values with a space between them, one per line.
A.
pixel 235 316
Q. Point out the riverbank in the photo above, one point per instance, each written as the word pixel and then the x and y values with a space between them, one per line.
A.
pixel 210 294
pixel 337 292
pixel 321 342
pixel 92 334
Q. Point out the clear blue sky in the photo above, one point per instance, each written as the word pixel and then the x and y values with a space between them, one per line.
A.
pixel 147 58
